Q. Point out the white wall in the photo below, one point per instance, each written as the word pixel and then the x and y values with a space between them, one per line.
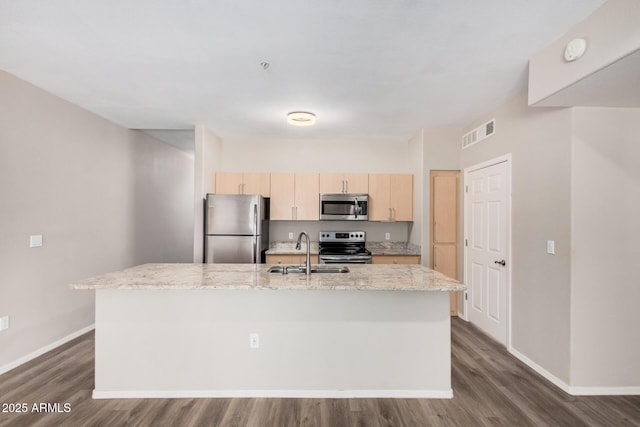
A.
pixel 103 197
pixel 605 288
pixel 540 143
pixel 207 161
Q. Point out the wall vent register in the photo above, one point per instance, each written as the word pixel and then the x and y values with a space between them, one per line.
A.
pixel 479 133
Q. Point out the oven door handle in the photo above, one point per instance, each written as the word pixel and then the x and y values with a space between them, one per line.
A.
pixel 344 259
pixel 353 261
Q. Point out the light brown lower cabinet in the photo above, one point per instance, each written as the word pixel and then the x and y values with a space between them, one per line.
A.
pixel 290 259
pixel 395 259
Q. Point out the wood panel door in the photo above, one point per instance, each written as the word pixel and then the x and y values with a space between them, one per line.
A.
pixel 401 197
pixel 379 197
pixel 256 183
pixel 344 183
pixel 331 183
pixel 228 183
pixel 307 197
pixel 282 196
pixel 356 183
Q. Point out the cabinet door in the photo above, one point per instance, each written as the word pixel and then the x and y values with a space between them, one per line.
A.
pixel 356 183
pixel 401 197
pixel 307 196
pixel 331 183
pixel 228 183
pixel 379 196
pixel 282 196
pixel 444 187
pixel 257 183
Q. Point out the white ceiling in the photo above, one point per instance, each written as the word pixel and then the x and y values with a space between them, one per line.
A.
pixel 367 68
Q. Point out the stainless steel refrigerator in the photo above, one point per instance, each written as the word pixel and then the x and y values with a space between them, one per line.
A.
pixel 236 229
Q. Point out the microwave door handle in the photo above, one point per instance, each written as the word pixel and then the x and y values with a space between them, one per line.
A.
pixel 357 208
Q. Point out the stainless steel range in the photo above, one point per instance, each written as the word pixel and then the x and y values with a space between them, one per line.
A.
pixel 343 247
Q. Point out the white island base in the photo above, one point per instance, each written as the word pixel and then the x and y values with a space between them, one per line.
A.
pixel 312 343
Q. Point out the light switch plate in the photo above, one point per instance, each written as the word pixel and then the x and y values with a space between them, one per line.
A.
pixel 4 323
pixel 35 241
pixel 387 236
pixel 551 247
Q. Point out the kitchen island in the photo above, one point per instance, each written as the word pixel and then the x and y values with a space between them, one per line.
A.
pixel 235 330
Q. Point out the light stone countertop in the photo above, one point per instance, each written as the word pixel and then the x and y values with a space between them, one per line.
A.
pixel 289 248
pixel 370 277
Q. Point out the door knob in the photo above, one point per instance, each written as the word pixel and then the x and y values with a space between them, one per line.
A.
pixel 501 262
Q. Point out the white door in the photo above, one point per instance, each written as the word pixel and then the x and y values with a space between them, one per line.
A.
pixel 487 253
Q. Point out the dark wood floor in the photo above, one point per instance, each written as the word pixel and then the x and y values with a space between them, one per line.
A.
pixel 490 388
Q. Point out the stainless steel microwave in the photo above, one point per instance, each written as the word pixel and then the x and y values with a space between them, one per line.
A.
pixel 344 207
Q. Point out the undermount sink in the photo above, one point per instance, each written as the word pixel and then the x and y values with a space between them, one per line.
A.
pixel 299 269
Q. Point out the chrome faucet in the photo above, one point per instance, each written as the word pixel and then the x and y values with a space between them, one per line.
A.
pixel 307 264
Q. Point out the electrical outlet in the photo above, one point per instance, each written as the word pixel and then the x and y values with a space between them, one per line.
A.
pixel 290 236
pixel 254 340
pixel 4 323
pixel 387 236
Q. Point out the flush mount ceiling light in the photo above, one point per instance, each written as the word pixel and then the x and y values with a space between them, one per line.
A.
pixel 301 118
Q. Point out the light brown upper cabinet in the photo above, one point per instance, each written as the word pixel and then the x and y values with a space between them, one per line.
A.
pixel 243 183
pixel 390 197
pixel 295 196
pixel 444 226
pixel 344 183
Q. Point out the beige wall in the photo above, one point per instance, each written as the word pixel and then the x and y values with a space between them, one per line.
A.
pixel 606 43
pixel 540 143
pixel 322 155
pixel 441 152
pixel 575 181
pixel 605 349
pixel 103 198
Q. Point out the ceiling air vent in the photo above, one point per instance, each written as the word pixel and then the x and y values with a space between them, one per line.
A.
pixel 479 133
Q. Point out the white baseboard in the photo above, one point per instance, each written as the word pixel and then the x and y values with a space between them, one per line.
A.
pixel 604 391
pixel 45 349
pixel 322 394
pixel 539 369
pixel 573 390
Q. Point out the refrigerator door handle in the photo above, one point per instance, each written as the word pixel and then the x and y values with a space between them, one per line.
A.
pixel 254 251
pixel 255 219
